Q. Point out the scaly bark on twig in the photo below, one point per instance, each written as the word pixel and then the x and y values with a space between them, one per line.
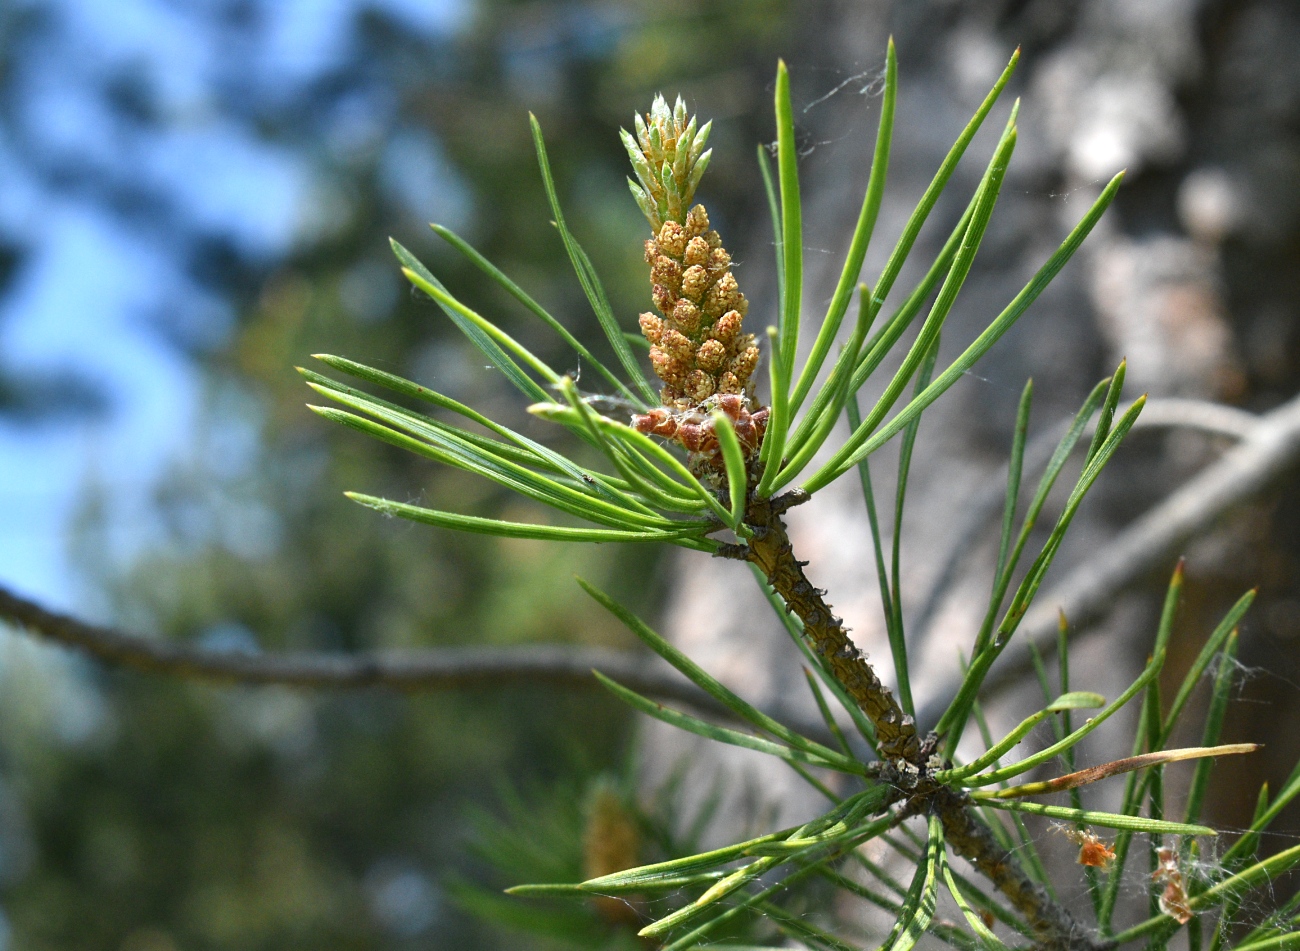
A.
pixel 906 756
pixel 770 550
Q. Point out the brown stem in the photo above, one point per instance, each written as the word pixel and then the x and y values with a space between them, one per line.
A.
pixel 898 742
pixel 770 550
pixel 970 838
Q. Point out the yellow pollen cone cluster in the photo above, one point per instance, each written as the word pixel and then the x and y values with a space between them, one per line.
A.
pixel 697 346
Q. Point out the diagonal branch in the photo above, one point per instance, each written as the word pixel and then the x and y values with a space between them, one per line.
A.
pixel 769 549
pixel 1269 450
pixel 985 503
pixel 970 838
pixel 907 761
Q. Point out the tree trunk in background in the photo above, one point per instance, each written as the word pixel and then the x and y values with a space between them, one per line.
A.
pixel 1194 276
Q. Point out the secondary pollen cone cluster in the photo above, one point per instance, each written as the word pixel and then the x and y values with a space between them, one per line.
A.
pixel 698 346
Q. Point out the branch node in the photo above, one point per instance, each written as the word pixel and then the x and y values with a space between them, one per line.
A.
pixel 732 551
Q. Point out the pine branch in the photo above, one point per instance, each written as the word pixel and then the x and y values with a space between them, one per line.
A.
pixel 972 840
pixel 908 761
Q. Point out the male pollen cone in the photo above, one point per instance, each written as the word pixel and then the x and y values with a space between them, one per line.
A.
pixel 698 347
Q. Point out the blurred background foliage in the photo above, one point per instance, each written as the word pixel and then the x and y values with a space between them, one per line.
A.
pixel 240 166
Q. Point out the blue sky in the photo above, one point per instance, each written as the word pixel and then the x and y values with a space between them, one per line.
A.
pixel 91 284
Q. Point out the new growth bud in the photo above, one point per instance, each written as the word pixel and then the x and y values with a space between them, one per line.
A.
pixel 668 156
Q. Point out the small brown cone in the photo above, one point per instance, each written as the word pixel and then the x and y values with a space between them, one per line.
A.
pixel 611 842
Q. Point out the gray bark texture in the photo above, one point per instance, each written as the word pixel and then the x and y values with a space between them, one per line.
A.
pixel 1193 275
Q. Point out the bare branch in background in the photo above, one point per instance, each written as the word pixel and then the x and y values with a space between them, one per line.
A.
pixel 1269 449
pixel 443 668
pixel 985 504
